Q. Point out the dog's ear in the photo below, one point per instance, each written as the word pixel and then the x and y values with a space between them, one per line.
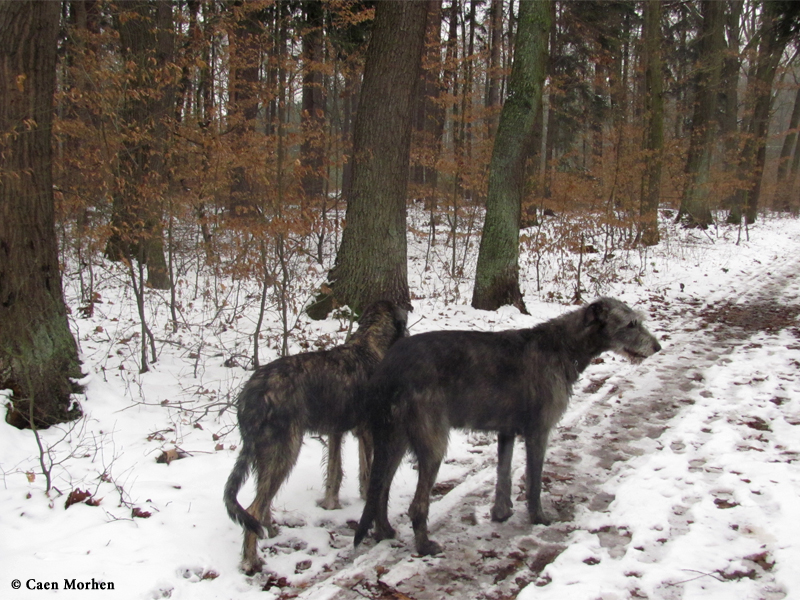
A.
pixel 401 321
pixel 596 312
pixel 400 314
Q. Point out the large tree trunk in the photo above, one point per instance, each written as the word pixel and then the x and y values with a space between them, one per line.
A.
pixel 38 354
pixel 695 209
pixel 371 262
pixel 654 123
pixel 728 112
pixel 497 276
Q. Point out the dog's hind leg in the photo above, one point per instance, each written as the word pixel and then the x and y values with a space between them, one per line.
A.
pixel 276 454
pixel 274 463
pixel 535 447
pixel 396 449
pixel 251 562
pixel 365 452
pixel 503 508
pixel 333 476
pixel 388 453
pixel 430 445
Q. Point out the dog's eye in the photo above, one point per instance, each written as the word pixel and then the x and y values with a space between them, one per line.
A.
pixel 632 325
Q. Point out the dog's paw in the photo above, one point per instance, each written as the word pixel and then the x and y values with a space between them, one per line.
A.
pixel 384 532
pixel 428 548
pixel 502 513
pixel 252 566
pixel 539 518
pixel 329 504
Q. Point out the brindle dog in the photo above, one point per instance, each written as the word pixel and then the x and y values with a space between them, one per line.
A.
pixel 313 392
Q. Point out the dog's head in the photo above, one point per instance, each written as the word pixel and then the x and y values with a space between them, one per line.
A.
pixel 381 324
pixel 621 328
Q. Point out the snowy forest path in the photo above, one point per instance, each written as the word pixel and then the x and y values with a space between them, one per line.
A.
pixel 619 412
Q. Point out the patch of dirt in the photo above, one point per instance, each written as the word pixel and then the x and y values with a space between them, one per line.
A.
pixel 766 316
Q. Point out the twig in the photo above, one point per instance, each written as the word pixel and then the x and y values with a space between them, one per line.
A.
pixel 700 576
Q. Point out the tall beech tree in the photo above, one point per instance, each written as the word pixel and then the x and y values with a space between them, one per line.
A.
pixel 243 102
pixel 497 275
pixel 493 71
pixel 653 144
pixel 371 261
pixel 38 354
pixel 695 208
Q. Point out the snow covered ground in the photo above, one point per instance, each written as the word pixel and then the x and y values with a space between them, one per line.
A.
pixel 675 478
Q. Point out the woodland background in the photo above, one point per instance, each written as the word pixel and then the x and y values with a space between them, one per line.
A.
pixel 216 136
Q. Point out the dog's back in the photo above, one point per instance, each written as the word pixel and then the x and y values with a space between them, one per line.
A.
pixel 320 391
pixel 470 379
pixel 314 390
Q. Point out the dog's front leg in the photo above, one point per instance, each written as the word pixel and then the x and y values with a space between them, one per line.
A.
pixel 503 508
pixel 535 447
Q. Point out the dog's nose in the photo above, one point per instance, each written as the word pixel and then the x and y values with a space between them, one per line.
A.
pixel 656 347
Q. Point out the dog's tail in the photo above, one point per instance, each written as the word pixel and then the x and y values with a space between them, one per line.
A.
pixel 236 479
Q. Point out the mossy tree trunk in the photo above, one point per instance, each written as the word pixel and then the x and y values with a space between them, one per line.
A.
pixel 497 276
pixel 38 354
pixel 371 261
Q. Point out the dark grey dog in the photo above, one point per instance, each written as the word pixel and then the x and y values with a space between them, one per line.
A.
pixel 316 391
pixel 513 382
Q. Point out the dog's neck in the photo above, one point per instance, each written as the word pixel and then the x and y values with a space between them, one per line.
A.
pixel 371 342
pixel 582 358
pixel 581 347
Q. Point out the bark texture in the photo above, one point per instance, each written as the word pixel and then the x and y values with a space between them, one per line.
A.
pixel 38 354
pixel 695 210
pixel 654 124
pixel 371 262
pixel 497 276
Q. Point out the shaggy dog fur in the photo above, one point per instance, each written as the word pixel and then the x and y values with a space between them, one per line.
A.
pixel 513 382
pixel 317 392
